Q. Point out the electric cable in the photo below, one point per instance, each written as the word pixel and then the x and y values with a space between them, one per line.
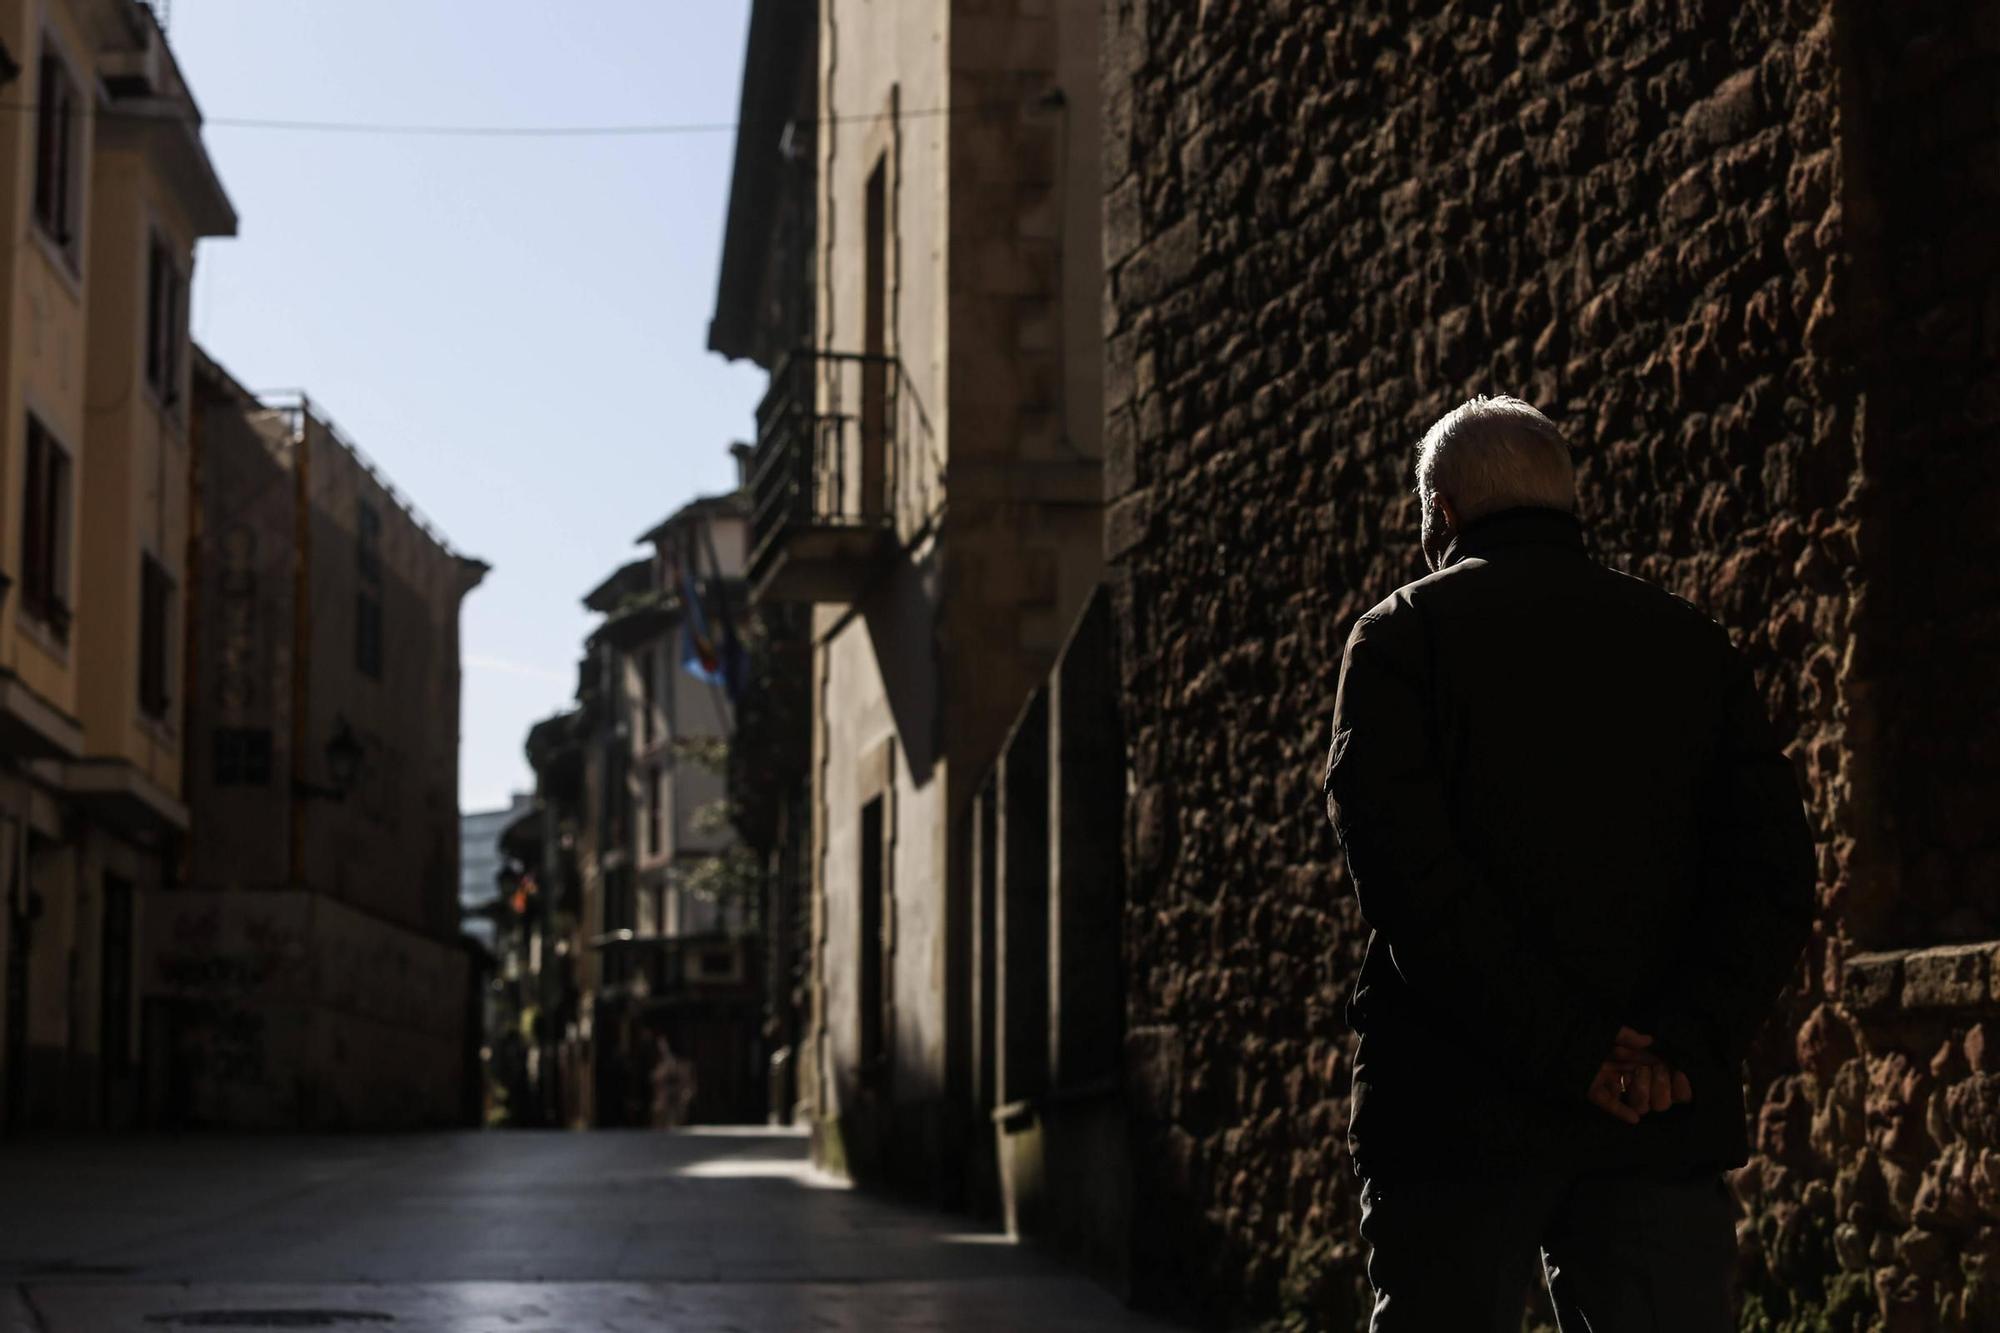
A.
pixel 395 129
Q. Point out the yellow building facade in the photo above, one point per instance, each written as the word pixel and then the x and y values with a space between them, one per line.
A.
pixel 106 188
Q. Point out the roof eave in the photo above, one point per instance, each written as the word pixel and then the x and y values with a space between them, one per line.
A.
pixel 770 66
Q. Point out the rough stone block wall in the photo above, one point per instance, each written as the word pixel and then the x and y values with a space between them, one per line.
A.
pixel 1743 254
pixel 1929 72
pixel 1880 1148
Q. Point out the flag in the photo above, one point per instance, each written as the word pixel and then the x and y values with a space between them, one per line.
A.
pixel 712 654
pixel 700 657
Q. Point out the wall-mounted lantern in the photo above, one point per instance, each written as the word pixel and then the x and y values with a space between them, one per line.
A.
pixel 343 765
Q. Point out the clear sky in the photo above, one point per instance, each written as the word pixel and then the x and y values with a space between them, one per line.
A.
pixel 514 329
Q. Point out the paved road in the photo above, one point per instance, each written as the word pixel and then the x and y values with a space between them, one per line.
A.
pixel 497 1233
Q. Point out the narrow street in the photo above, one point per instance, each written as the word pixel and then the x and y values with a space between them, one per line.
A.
pixel 479 1232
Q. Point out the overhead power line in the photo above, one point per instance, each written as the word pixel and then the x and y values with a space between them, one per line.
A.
pixel 396 129
pixel 467 131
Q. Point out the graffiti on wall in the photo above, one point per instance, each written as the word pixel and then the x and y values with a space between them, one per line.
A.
pixel 225 975
pixel 284 1008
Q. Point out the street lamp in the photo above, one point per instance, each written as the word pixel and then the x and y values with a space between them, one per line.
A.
pixel 343 764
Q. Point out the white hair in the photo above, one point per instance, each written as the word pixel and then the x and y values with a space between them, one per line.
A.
pixel 1491 454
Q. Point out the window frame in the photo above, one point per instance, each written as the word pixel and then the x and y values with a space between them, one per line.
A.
pixel 368 632
pixel 648 666
pixel 874 1033
pixel 656 809
pixel 46 574
pixel 55 200
pixel 164 356
pixel 368 540
pixel 241 757
pixel 156 637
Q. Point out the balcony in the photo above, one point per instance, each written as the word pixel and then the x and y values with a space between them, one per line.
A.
pixel 842 449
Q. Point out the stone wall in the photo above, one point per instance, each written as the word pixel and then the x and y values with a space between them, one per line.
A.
pixel 283 1009
pixel 1880 1149
pixel 1714 241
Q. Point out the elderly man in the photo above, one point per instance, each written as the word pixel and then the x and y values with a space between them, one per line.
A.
pixel 1588 873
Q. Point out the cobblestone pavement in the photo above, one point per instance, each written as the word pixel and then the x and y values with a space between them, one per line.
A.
pixel 501 1232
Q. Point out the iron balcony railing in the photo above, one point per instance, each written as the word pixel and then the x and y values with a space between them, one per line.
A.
pixel 842 443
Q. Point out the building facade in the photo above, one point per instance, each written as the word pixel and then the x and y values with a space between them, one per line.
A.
pixel 535 1052
pixel 640 936
pixel 1745 261
pixel 1745 258
pixel 108 189
pixel 480 863
pixel 927 481
pixel 310 973
pixel 763 311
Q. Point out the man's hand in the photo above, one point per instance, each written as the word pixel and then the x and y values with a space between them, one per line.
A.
pixel 1633 1081
pixel 1607 1091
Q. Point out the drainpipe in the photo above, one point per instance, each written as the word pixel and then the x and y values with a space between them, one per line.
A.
pixel 301 634
pixel 191 577
pixel 300 790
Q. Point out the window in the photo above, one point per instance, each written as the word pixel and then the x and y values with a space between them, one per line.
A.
pixel 874 942
pixel 656 821
pixel 875 345
pixel 166 322
pixel 45 532
pixel 620 909
pixel 368 541
pixel 648 697
pixel 242 756
pixel 156 619
pixel 57 121
pixel 368 635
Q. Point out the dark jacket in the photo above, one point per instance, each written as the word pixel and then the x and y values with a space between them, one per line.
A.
pixel 1563 811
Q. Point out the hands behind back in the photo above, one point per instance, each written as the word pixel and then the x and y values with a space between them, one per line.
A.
pixel 1633 1082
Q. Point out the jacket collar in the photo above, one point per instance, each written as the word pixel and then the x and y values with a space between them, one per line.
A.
pixel 1524 526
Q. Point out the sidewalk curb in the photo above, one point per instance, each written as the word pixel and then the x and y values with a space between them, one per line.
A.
pixel 16 1314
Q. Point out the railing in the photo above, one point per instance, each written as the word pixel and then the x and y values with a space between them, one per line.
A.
pixel 293 407
pixel 842 443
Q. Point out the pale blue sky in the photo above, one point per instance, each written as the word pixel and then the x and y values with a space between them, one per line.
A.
pixel 514 329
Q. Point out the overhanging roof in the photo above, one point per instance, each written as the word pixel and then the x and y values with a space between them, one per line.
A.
pixel 731 505
pixel 632 577
pixel 780 31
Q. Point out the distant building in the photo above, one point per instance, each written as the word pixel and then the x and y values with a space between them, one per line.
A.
pixel 106 189
pixel 641 900
pixel 311 972
pixel 537 1043
pixel 479 864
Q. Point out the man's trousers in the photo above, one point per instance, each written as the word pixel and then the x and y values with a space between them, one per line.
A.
pixel 1620 1254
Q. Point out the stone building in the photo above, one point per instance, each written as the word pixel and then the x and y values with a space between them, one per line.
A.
pixel 912 251
pixel 637 894
pixel 480 861
pixel 309 972
pixel 764 310
pixel 534 1032
pixel 107 189
pixel 1745 256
